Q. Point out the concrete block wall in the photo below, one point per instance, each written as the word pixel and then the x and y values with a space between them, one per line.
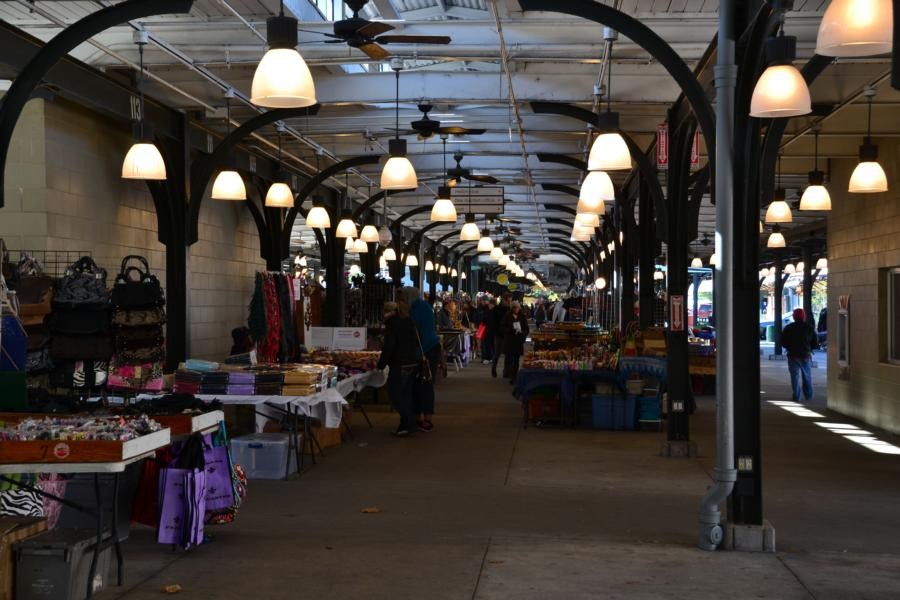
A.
pixel 864 239
pixel 68 161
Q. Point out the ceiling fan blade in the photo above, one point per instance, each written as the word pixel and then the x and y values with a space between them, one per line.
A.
pixel 337 40
pixel 508 220
pixel 375 51
pixel 453 182
pixel 373 28
pixel 462 131
pixel 413 39
pixel 483 178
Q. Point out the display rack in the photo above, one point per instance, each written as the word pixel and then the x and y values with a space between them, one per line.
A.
pixel 53 262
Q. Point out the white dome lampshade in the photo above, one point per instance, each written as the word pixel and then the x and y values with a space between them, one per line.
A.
pixel 595 189
pixel 600 283
pixel 412 261
pixel 609 152
pixel 588 220
pixel 772 271
pixel 788 269
pixel 442 270
pixel 470 231
pixel 453 273
pixel 346 228
pixel 279 195
pixel 429 266
pixel 816 196
pixel 658 275
pixel 462 275
pixel 868 177
pixel 496 253
pixel 856 28
pixel 443 210
pixel 763 273
pixel 485 244
pixel 603 256
pixel 144 161
pixel 801 267
pixel 382 262
pixel 781 90
pixel 318 216
pixel 503 261
pixel 822 263
pixel 697 263
pixel 713 259
pixel 348 245
pixel 389 254
pixel 384 235
pixel 360 247
pixel 779 211
pixel 302 262
pixel 398 173
pixel 581 234
pixel 228 185
pixel 776 240
pixel 369 234
pixel 282 78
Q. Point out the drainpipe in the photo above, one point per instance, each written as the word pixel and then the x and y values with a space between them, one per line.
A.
pixel 724 474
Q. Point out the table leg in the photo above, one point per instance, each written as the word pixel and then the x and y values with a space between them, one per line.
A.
pixel 298 450
pixel 120 562
pixel 307 433
pixel 95 558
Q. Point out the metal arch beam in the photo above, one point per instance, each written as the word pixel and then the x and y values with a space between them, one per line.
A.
pixel 460 243
pixel 411 213
pixel 417 237
pixel 561 208
pixel 558 187
pixel 369 202
pixel 57 48
pixel 203 168
pixel 562 159
pixel 647 39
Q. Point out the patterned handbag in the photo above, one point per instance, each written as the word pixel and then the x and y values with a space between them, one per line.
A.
pixel 83 287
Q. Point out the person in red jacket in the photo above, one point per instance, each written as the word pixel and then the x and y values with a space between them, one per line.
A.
pixel 799 339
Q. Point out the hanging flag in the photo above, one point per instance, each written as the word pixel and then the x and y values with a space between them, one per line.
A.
pixel 662 146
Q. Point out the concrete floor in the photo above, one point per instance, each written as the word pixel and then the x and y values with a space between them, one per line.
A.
pixel 481 508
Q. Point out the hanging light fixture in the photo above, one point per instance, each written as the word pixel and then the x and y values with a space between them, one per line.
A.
pixel 398 173
pixel 463 275
pixel 763 273
pixel 788 269
pixel 442 270
pixel 360 246
pixel 369 234
pixel 346 228
pixel 412 261
pixel 143 160
pixel 816 196
pixel 496 253
pixel 801 267
pixel 588 220
pixel 280 194
pixel 868 177
pixel 600 283
pixel 348 245
pixel 696 263
pixel 776 239
pixel 581 234
pixel 658 276
pixel 779 211
pixel 713 259
pixel 485 244
pixel 470 231
pixel 317 215
pixel 596 188
pixel 389 254
pixel 821 264
pixel 453 273
pixel 853 28
pixel 443 210
pixel 609 152
pixel 382 262
pixel 228 184
pixel 781 90
pixel 503 260
pixel 282 79
pixel 429 266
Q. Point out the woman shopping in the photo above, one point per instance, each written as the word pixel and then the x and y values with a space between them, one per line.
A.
pixel 515 329
pixel 423 391
pixel 401 354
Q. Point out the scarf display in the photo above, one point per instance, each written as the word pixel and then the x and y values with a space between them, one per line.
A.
pixel 271 317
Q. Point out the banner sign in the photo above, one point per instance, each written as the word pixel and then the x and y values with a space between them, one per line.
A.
pixel 662 146
pixel 676 313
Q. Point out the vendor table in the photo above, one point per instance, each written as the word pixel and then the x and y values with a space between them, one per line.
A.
pixel 97 468
pixel 567 380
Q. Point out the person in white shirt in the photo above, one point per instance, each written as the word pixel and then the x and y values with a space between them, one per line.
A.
pixel 559 313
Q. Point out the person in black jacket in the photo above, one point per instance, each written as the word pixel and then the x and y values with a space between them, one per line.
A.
pixel 799 338
pixel 515 330
pixel 401 354
pixel 496 320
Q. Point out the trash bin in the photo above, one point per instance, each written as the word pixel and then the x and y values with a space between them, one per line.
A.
pixel 55 565
pixel 770 333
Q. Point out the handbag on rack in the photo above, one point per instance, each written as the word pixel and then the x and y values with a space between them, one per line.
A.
pixel 78 322
pixel 35 293
pixel 82 347
pixel 146 377
pixel 134 338
pixel 136 288
pixel 80 375
pixel 82 287
pixel 139 318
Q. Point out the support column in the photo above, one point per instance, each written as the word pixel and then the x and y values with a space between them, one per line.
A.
pixel 334 271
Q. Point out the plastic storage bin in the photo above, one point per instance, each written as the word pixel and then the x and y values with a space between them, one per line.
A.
pixel 263 455
pixel 55 565
pixel 648 408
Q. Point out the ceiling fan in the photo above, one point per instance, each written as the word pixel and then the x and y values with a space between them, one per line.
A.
pixel 427 127
pixel 361 33
pixel 492 218
pixel 458 173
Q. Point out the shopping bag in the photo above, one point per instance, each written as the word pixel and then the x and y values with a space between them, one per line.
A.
pixel 145 509
pixel 181 506
pixel 481 332
pixel 220 494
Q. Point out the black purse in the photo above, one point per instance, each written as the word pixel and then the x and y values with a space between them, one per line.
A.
pixel 78 322
pixel 423 375
pixel 144 291
pixel 83 287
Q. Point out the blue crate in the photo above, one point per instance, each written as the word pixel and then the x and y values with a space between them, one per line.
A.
pixel 648 408
pixel 614 412
pixel 625 413
pixel 602 411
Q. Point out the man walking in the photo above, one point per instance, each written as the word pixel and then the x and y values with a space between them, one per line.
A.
pixel 497 315
pixel 799 338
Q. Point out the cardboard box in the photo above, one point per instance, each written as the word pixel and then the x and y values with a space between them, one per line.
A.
pixel 332 437
pixel 12 530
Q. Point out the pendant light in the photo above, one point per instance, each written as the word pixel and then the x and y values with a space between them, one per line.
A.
pixel 412 261
pixel 856 28
pixel 442 270
pixel 816 196
pixel 868 177
pixel 496 253
pixel 318 215
pixel 821 264
pixel 143 160
pixel 469 231
pixel 384 232
pixel 429 266
pixel 398 173
pixel 776 239
pixel 697 263
pixel 280 194
pixel 228 184
pixel 346 228
pixel 389 254
pixel 591 220
pixel 609 152
pixel 369 234
pixel 658 276
pixel 348 245
pixel 600 283
pixel 360 247
pixel 282 79
pixel 801 267
pixel 714 259
pixel 779 211
pixel 463 275
pixel 781 90
pixel 382 262
pixel 443 210
pixel 603 256
pixel 788 269
pixel 485 244
pixel 503 260
pixel 596 188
